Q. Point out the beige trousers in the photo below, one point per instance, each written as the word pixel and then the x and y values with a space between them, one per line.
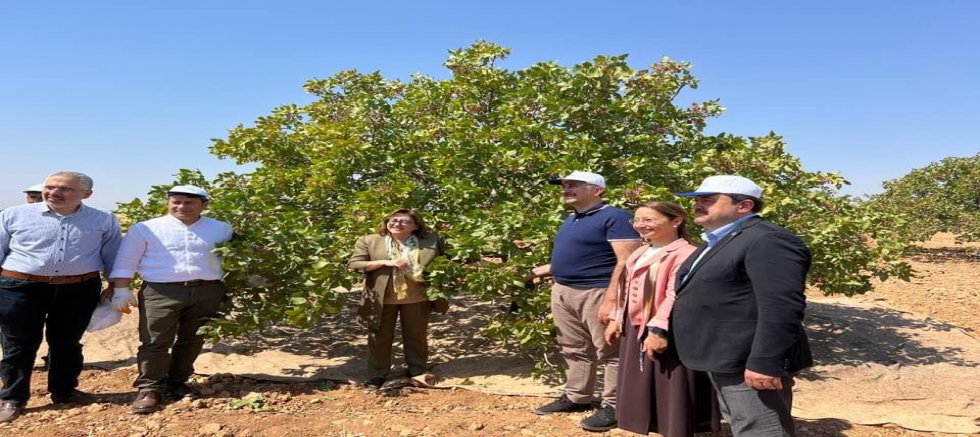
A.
pixel 580 335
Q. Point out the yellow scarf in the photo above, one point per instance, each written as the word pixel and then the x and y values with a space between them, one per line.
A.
pixel 408 251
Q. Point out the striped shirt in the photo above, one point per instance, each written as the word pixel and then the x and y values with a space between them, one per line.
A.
pixel 38 241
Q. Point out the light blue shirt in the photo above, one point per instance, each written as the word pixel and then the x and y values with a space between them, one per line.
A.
pixel 713 237
pixel 38 241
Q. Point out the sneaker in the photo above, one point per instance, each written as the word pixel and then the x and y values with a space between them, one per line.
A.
pixel 603 419
pixel 562 405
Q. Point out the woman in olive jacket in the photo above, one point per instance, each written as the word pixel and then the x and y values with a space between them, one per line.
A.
pixel 393 261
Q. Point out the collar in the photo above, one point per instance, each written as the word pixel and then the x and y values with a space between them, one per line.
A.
pixel 716 235
pixel 43 208
pixel 599 207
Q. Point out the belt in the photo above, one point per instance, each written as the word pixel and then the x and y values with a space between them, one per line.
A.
pixel 74 279
pixel 194 283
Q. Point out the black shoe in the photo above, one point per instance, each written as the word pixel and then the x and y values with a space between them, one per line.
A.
pixel 147 401
pixel 10 411
pixel 182 391
pixel 603 419
pixel 375 382
pixel 562 405
pixel 72 397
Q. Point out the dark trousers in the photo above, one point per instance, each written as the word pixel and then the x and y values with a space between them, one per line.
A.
pixel 415 326
pixel 25 309
pixel 170 316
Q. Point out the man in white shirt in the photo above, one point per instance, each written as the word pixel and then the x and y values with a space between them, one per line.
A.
pixel 181 291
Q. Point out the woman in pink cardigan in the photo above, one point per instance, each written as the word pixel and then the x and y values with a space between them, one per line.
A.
pixel 656 392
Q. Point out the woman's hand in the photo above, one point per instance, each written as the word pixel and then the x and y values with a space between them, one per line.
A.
pixel 654 344
pixel 399 264
pixel 612 333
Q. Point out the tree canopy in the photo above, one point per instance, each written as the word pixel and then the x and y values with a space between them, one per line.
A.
pixel 472 152
pixel 941 197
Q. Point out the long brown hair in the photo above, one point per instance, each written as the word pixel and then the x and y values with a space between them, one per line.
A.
pixel 671 210
pixel 420 229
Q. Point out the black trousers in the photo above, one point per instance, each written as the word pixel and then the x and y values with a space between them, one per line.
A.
pixel 26 308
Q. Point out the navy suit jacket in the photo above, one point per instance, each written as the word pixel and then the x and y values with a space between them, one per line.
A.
pixel 741 307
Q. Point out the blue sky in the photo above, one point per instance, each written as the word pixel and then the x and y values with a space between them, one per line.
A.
pixel 129 92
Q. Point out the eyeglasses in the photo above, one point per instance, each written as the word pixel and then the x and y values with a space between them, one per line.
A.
pixel 401 221
pixel 643 221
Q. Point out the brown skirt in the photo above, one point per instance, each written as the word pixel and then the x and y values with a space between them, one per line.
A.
pixel 664 396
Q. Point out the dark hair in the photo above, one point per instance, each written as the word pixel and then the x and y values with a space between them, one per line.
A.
pixel 671 210
pixel 420 229
pixel 757 204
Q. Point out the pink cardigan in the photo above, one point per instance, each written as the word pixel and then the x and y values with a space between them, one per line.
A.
pixel 636 280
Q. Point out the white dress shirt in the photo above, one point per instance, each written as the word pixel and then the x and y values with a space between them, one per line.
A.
pixel 164 249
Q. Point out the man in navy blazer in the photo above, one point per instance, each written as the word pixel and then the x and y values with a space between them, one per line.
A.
pixel 739 308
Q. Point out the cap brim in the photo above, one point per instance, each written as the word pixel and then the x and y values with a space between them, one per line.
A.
pixel 694 194
pixel 201 196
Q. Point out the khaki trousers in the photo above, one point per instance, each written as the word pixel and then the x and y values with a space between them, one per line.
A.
pixel 415 326
pixel 580 335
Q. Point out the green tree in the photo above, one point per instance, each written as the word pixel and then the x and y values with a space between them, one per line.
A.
pixel 473 151
pixel 941 197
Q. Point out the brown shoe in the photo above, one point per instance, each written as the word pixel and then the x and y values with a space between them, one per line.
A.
pixel 10 411
pixel 147 401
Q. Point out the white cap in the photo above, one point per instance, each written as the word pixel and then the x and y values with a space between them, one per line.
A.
pixel 189 190
pixel 36 188
pixel 581 176
pixel 726 184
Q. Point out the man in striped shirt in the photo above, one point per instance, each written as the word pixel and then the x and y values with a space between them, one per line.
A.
pixel 51 254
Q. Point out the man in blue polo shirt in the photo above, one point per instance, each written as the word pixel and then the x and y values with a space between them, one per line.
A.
pixel 589 252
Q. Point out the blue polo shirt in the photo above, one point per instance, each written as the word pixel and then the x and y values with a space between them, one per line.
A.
pixel 581 255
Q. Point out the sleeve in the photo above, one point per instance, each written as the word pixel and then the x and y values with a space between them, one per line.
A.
pixel 130 252
pixel 4 237
pixel 361 255
pixel 662 317
pixel 228 233
pixel 111 241
pixel 777 264
pixel 618 228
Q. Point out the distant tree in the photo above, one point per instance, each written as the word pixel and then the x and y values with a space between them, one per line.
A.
pixel 941 197
pixel 473 152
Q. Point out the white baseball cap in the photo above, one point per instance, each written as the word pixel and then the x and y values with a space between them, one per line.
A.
pixel 726 184
pixel 581 176
pixel 36 188
pixel 189 190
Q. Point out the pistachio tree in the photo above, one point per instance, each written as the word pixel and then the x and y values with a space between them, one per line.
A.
pixel 472 152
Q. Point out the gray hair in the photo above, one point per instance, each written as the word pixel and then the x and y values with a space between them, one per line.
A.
pixel 84 180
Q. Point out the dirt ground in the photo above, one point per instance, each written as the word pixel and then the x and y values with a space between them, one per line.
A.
pixel 233 406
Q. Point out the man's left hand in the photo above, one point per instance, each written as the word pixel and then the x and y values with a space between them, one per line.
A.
pixel 759 381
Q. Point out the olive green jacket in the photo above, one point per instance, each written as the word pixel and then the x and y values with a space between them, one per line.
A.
pixel 372 248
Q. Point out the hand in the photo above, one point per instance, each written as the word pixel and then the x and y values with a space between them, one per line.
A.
pixel 106 294
pixel 759 381
pixel 122 299
pixel 654 344
pixel 612 333
pixel 399 264
pixel 605 310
